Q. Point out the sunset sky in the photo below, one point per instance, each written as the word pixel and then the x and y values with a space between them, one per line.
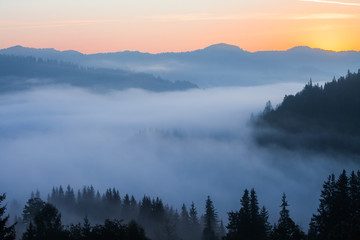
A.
pixel 172 25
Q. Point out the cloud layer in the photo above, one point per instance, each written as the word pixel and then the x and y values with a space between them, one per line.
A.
pixel 180 146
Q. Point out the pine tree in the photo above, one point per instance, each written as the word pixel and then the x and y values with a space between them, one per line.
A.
pixel 286 229
pixel 134 209
pixel 338 213
pixel 221 231
pixel 268 108
pixel 266 225
pixel 209 232
pixel 233 226
pixel 184 218
pixel 30 233
pixel 46 225
pixel 33 206
pixel 158 211
pixel 6 232
pixel 194 221
pixel 341 208
pixel 321 222
pixel 248 222
pixel 355 204
pixel 194 230
pixel 126 207
pixel 69 198
pixel 244 225
pixel 86 229
pixel 257 230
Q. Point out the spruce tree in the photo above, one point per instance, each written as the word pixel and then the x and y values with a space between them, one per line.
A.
pixel 193 218
pixel 286 229
pixel 266 225
pixel 210 221
pixel 320 225
pixel 233 226
pixel 32 208
pixel 244 225
pixel 257 229
pixel 30 233
pixel 45 225
pixel 6 232
pixel 221 231
pixel 341 208
pixel 354 204
pixel 338 215
pixel 69 198
pixel 248 223
pixel 195 230
pixel 184 218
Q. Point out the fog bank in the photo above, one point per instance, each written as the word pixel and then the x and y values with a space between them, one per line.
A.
pixel 180 146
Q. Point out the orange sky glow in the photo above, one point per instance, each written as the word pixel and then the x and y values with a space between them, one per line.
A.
pixel 173 26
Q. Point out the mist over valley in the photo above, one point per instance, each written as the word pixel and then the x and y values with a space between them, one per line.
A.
pixel 65 120
pixel 180 146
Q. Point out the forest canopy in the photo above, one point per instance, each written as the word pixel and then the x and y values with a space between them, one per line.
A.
pixel 321 118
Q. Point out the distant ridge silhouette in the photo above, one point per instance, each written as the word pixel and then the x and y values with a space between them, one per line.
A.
pixel 216 65
pixel 26 72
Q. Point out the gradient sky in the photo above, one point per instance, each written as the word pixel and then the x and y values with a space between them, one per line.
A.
pixel 171 25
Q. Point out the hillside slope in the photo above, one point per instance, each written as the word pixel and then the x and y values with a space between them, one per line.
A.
pixel 322 118
pixel 21 73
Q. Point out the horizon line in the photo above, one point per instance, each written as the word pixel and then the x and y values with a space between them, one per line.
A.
pixel 187 51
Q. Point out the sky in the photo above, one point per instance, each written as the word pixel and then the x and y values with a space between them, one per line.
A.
pixel 174 26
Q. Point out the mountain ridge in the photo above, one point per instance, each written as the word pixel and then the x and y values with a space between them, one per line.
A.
pixel 216 65
pixel 216 46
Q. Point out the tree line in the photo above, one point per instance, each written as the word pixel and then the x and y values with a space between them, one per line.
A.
pixel 337 217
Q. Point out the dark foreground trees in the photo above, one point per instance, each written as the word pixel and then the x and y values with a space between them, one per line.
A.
pixel 338 215
pixel 46 225
pixel 6 232
pixel 110 230
pixel 249 222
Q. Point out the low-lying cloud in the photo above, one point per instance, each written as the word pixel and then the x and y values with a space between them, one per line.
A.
pixel 180 146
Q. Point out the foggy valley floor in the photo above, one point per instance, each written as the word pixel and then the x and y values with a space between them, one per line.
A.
pixel 180 146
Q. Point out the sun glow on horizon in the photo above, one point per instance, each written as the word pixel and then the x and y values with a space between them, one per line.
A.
pixel 160 26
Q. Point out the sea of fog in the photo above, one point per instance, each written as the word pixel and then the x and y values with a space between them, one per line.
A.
pixel 180 146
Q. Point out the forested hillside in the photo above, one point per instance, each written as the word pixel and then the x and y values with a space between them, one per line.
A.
pixel 318 117
pixel 21 73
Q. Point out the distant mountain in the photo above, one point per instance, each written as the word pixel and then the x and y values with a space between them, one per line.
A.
pixel 216 65
pixel 322 118
pixel 22 73
pixel 223 47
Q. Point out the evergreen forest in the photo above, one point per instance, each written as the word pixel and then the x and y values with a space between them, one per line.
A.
pixel 320 118
pixel 87 214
